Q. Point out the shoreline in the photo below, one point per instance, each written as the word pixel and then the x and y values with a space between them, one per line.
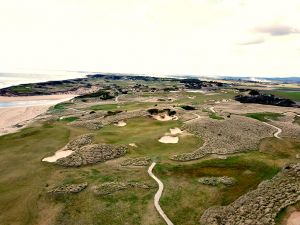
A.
pixel 14 118
pixel 35 97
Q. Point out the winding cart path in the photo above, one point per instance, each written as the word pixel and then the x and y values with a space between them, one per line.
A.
pixel 158 195
pixel 277 132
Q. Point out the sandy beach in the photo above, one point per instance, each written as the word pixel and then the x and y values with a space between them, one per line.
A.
pixel 25 109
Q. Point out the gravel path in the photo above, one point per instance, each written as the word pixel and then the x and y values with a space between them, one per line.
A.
pixel 117 99
pixel 277 132
pixel 212 109
pixel 197 117
pixel 158 195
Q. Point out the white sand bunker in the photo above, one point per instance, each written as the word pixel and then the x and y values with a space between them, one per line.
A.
pixel 175 131
pixel 120 124
pixel 133 145
pixel 58 155
pixel 169 140
pixel 294 218
pixel 164 117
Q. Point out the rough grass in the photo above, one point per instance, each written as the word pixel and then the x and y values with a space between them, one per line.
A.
pixel 63 105
pixel 293 95
pixel 280 148
pixel 24 179
pixel 105 107
pixel 265 116
pixel 215 116
pixel 297 120
pixel 182 188
pixel 22 175
pixel 199 98
pixel 123 106
pixel 69 119
pixel 22 89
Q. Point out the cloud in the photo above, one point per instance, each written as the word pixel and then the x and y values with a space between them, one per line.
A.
pixel 277 30
pixel 255 41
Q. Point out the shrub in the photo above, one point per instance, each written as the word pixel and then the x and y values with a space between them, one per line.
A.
pixel 188 107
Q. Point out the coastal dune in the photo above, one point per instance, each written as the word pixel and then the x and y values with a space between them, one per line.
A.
pixel 22 110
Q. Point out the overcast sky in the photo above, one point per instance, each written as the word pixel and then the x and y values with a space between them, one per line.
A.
pixel 204 37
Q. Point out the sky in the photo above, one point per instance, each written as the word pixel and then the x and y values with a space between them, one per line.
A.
pixel 199 37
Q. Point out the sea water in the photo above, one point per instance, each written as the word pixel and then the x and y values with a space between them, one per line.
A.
pixel 10 79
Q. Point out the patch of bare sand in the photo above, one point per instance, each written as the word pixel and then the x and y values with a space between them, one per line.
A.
pixel 120 124
pixel 175 131
pixel 36 98
pixel 164 117
pixel 294 218
pixel 16 117
pixel 132 145
pixel 58 155
pixel 169 140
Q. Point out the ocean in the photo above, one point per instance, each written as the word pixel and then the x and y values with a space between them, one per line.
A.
pixel 10 79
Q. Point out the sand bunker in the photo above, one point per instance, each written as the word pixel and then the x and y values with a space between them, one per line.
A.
pixel 133 145
pixel 164 117
pixel 120 124
pixel 175 131
pixel 294 218
pixel 58 155
pixel 195 91
pixel 169 140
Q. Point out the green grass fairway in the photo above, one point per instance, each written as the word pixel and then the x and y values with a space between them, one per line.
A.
pixel 69 119
pixel 123 106
pixel 105 107
pixel 265 116
pixel 215 116
pixel 293 95
pixel 145 132
pixel 199 98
